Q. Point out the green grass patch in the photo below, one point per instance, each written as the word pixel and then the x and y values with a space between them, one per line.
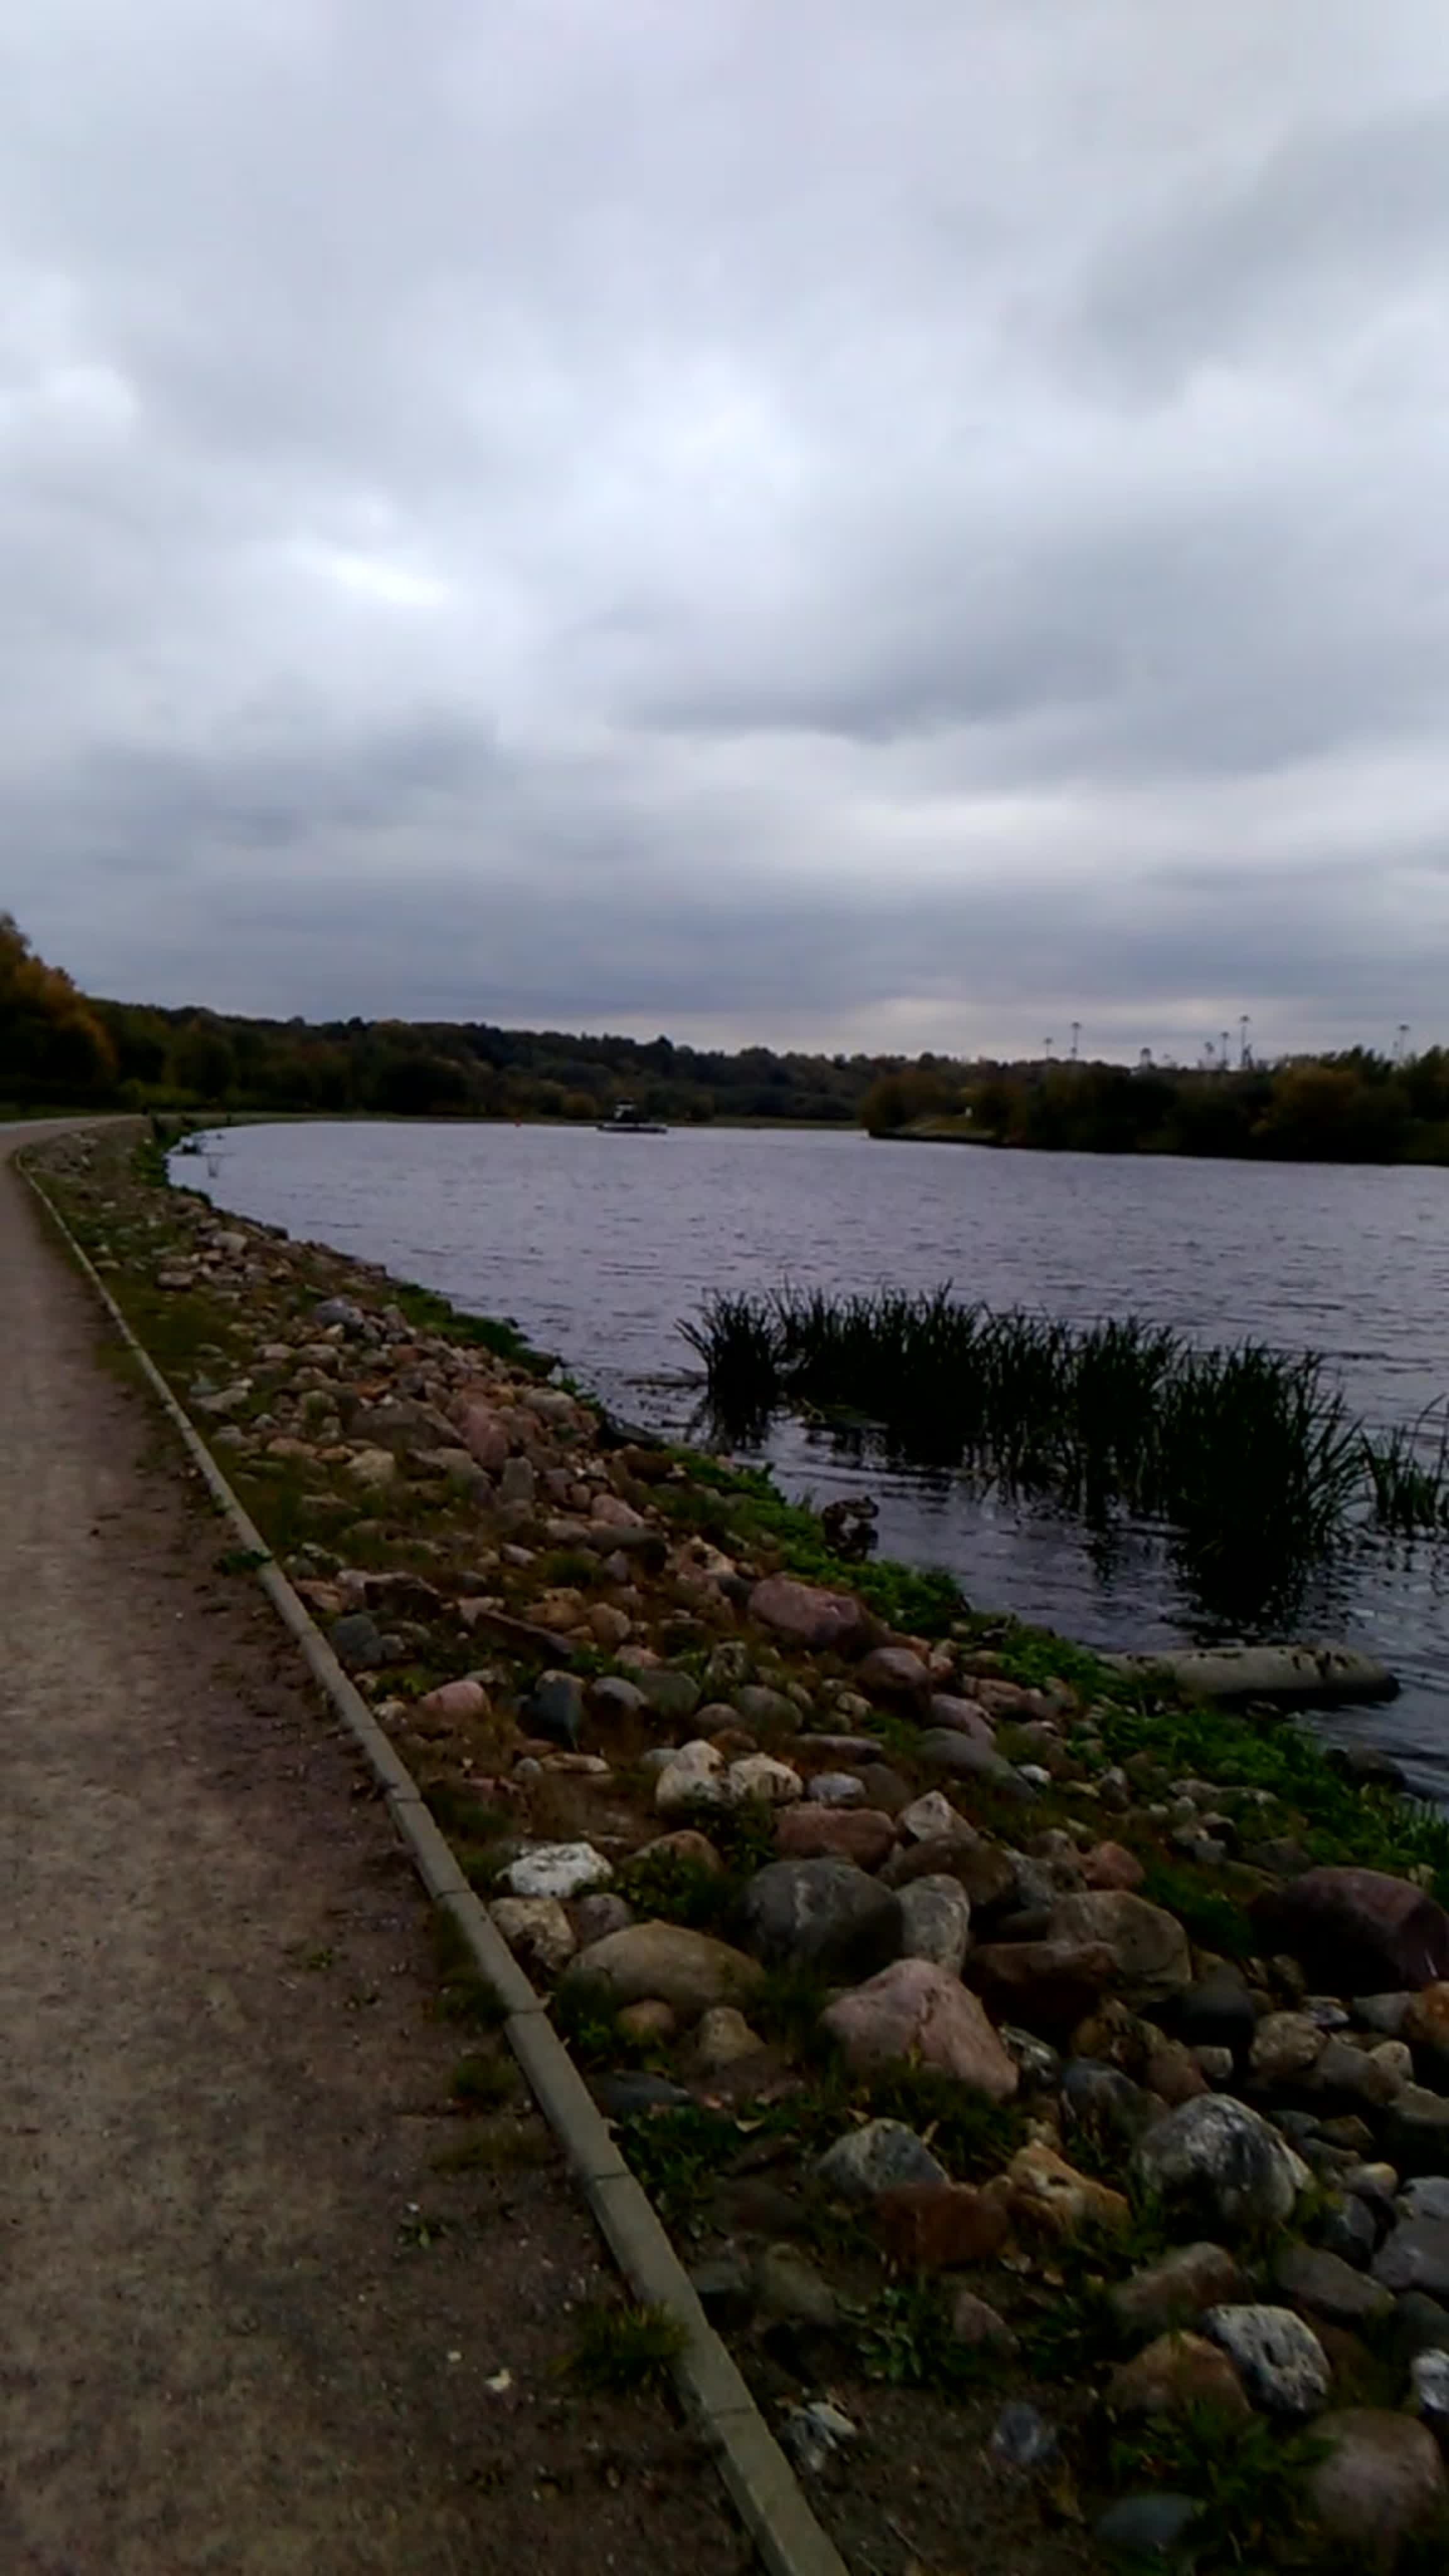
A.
pixel 903 2339
pixel 675 2153
pixel 1250 2475
pixel 586 2017
pixel 669 1887
pixel 1211 1919
pixel 626 2351
pixel 483 2083
pixel 496 1333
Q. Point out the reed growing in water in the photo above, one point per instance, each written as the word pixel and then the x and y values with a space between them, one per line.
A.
pixel 1249 1457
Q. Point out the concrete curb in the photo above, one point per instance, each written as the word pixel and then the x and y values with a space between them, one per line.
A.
pixel 758 2477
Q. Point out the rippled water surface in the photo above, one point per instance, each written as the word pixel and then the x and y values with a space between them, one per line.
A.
pixel 598 1244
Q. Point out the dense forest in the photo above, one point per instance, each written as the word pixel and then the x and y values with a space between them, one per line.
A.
pixel 62 1048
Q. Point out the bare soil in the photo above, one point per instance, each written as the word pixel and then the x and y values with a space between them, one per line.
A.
pixel 248 2325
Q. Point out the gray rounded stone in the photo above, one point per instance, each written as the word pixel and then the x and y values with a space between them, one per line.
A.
pixel 555 1709
pixel 1426 2197
pixel 936 1920
pixel 1148 2526
pixel 1215 2159
pixel 941 1749
pixel 878 2157
pixel 1415 2257
pixel 787 2284
pixel 1280 2359
pixel 825 1915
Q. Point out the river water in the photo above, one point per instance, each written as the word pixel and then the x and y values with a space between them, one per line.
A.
pixel 598 1244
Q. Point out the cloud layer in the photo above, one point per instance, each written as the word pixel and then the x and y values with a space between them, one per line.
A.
pixel 843 526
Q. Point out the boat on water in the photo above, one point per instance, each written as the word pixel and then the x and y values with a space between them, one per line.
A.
pixel 629 1121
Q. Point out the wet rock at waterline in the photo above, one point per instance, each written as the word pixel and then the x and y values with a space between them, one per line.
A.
pixel 1290 1676
pixel 1356 1931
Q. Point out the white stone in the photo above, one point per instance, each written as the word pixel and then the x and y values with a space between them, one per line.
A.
pixel 925 1819
pixel 694 1777
pixel 759 1779
pixel 835 1789
pixel 557 1869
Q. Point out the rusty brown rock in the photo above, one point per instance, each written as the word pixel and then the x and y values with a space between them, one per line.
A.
pixel 861 1834
pixel 1046 1986
pixel 829 1622
pixel 934 2226
pixel 1177 2371
pixel 1112 1866
pixel 1050 2196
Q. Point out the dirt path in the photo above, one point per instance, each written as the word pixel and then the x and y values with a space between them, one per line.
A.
pixel 223 2090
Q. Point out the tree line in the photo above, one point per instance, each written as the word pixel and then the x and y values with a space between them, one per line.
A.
pixel 1352 1107
pixel 62 1048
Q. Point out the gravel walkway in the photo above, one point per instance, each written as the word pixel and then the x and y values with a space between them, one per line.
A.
pixel 246 2324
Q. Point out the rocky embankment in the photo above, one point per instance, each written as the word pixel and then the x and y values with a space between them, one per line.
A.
pixel 1002 2037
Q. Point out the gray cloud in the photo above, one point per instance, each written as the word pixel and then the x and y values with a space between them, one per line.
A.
pixel 854 528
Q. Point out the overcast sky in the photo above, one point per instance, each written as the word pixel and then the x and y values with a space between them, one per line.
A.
pixel 803 520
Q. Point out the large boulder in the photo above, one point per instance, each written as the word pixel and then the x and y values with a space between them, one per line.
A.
pixel 398 1425
pixel 690 1971
pixel 1415 2257
pixel 829 1622
pixel 1215 2161
pixel 1383 2480
pixel 894 1673
pixel 1151 1958
pixel 824 1915
pixel 914 2012
pixel 1282 2363
pixel 1319 2283
pixel 1356 1931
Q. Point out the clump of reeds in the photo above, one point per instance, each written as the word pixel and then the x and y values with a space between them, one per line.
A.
pixel 1250 1455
